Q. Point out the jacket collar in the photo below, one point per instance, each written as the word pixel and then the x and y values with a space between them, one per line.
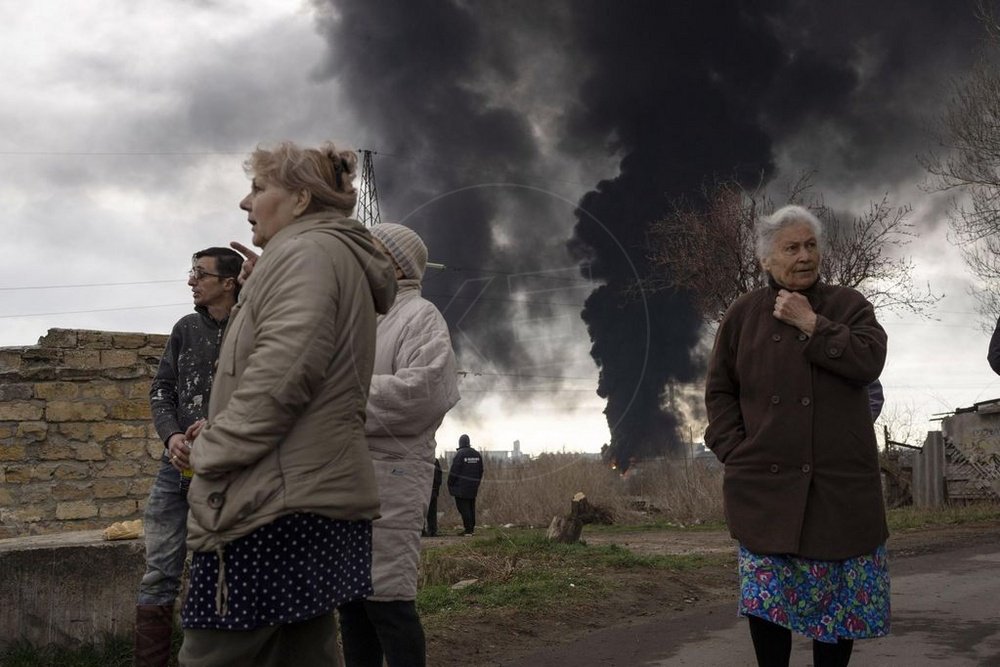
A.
pixel 815 292
pixel 205 315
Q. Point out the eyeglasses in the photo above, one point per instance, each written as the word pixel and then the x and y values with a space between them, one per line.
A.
pixel 198 273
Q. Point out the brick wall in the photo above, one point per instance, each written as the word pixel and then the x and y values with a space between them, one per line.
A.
pixel 77 445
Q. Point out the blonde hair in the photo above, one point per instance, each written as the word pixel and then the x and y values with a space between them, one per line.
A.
pixel 326 173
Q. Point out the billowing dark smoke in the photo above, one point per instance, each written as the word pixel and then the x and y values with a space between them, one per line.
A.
pixel 431 83
pixel 462 96
pixel 681 102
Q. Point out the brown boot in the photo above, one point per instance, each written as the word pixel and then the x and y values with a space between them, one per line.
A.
pixel 154 625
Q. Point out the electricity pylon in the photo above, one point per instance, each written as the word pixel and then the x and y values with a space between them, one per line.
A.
pixel 368 213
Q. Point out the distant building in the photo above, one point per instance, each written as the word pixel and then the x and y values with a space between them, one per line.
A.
pixel 504 455
pixel 496 456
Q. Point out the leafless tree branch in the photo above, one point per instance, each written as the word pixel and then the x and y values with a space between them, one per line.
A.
pixel 709 251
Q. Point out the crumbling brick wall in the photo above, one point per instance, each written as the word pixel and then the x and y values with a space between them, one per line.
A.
pixel 77 445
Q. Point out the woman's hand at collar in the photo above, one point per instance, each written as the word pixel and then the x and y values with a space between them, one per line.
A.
pixel 794 308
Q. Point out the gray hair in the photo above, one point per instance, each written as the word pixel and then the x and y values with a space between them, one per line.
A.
pixel 768 227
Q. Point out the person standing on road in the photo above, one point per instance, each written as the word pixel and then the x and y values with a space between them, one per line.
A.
pixel 178 397
pixel 789 417
pixel 413 386
pixel 463 482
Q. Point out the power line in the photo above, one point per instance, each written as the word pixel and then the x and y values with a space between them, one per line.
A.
pixel 174 280
pixel 166 305
pixel 521 375
pixel 70 286
pixel 529 391
pixel 493 298
pixel 117 153
pixel 95 310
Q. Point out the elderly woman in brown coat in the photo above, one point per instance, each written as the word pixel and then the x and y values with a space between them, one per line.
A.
pixel 789 418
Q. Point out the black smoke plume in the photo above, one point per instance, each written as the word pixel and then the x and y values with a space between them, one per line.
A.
pixel 481 110
pixel 680 102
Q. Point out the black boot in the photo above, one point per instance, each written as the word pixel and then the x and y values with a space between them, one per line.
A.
pixel 154 626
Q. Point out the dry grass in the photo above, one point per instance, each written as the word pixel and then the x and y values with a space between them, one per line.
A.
pixel 531 493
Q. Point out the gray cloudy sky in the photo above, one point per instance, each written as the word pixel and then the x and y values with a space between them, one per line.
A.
pixel 125 124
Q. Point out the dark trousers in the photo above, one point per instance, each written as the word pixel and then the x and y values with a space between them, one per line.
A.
pixel 772 644
pixel 432 516
pixel 372 629
pixel 467 508
pixel 310 643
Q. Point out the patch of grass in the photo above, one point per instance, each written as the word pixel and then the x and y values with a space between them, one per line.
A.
pixel 527 590
pixel 110 652
pixel 654 525
pixel 523 570
pixel 912 518
pixel 614 556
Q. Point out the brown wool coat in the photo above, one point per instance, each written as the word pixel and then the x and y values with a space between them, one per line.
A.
pixel 789 417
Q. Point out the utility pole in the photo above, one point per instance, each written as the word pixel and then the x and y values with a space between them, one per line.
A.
pixel 368 212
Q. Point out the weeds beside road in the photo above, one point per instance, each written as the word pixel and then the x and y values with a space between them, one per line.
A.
pixel 530 593
pixel 668 552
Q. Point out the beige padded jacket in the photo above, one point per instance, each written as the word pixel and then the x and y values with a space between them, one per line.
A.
pixel 285 428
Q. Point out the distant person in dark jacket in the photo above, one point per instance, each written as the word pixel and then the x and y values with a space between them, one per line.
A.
pixel 463 482
pixel 432 507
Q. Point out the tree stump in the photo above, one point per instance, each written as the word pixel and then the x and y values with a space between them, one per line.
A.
pixel 569 528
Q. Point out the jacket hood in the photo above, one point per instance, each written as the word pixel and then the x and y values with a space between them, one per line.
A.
pixel 203 311
pixel 378 269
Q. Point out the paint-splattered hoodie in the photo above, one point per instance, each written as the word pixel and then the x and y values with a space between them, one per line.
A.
pixel 179 393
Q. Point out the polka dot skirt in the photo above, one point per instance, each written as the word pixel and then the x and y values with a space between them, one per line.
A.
pixel 297 567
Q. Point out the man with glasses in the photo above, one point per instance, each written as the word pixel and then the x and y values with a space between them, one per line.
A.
pixel 178 397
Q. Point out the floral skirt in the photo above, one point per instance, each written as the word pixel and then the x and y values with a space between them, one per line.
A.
pixel 823 600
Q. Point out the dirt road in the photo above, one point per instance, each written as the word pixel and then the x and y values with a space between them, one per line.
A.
pixel 946 611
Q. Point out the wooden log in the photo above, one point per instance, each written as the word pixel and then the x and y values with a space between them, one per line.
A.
pixel 568 529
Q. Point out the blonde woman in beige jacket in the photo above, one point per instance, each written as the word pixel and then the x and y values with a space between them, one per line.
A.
pixel 284 492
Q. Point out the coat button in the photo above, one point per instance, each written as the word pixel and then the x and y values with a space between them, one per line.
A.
pixel 775 337
pixel 216 500
pixel 806 468
pixel 833 352
pixel 774 467
pixel 805 400
pixel 802 336
pixel 775 399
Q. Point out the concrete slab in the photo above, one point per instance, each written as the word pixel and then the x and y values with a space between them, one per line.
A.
pixel 68 588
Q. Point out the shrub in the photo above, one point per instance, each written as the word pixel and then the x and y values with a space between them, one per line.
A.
pixel 530 493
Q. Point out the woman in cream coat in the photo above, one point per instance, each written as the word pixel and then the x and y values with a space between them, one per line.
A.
pixel 413 386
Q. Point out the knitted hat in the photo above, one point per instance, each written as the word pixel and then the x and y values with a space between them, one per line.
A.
pixel 405 247
pixel 463 441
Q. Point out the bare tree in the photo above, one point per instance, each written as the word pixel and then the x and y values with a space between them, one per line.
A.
pixel 710 251
pixel 968 163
